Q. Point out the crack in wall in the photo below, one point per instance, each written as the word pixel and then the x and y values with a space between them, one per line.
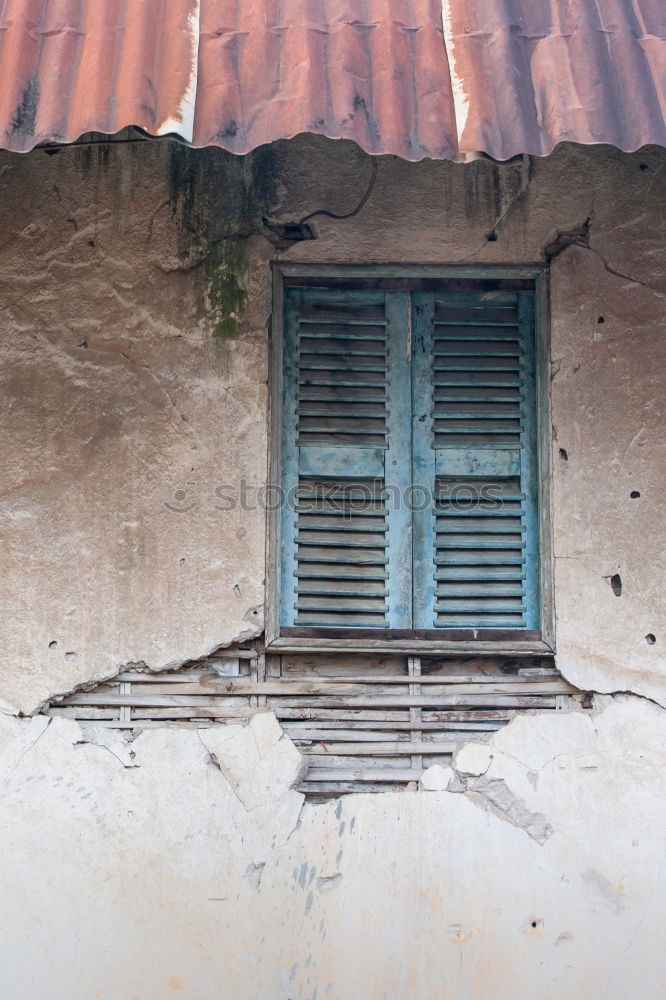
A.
pixel 579 236
pixel 620 958
pixel 26 750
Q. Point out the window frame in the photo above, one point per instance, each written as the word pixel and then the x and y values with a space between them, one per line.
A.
pixel 409 276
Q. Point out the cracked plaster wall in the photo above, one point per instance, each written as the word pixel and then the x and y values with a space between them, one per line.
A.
pixel 184 863
pixel 193 869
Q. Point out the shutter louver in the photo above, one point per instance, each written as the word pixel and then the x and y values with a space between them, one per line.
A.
pixel 340 553
pixel 475 448
pixel 335 526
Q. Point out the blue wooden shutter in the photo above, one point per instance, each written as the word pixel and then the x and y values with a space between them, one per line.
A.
pixel 345 542
pixel 476 560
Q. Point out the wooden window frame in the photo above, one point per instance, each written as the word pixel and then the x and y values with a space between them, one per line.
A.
pixel 513 642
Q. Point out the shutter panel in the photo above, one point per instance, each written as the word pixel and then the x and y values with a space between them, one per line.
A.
pixel 346 556
pixel 476 544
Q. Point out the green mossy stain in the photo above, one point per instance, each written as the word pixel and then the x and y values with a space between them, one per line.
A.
pixel 226 268
pixel 218 200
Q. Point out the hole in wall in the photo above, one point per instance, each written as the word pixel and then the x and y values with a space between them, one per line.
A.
pixel 601 319
pixel 650 638
pixel 285 234
pixel 53 644
pixel 533 926
pixel 563 455
pixel 643 166
pixel 491 237
pixel 634 494
pixel 615 582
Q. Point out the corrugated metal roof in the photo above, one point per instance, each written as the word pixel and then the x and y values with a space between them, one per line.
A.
pixel 438 78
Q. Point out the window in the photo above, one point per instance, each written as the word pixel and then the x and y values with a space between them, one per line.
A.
pixel 409 462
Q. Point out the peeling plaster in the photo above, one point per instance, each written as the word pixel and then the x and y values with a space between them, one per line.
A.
pixel 495 795
pixel 255 631
pixel 241 882
pixel 258 760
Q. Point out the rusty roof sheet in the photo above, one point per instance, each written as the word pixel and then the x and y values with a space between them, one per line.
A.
pixel 437 78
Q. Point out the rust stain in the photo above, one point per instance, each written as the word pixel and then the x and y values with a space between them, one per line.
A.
pixel 417 78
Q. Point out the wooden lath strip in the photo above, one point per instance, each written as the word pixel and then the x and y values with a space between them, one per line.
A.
pixel 407 701
pixel 534 677
pixel 498 699
pixel 316 774
pixel 335 739
pixel 225 687
pixel 304 729
pixel 323 790
pixel 407 748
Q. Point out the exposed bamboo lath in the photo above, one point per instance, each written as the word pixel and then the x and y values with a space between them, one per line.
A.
pixel 364 722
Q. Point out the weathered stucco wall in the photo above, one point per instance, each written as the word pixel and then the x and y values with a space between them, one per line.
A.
pixel 135 297
pixel 192 870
